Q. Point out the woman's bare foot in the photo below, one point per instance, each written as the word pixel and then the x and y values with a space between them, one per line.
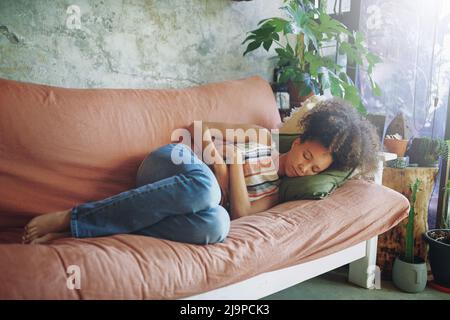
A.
pixel 49 237
pixel 47 223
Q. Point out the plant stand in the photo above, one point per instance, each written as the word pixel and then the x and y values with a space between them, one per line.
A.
pixel 392 242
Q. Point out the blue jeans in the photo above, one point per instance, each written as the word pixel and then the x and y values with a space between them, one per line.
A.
pixel 178 202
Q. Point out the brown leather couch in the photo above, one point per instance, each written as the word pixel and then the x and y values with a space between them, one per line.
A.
pixel 60 147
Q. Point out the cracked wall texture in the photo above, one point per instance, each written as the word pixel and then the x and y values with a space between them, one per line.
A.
pixel 130 43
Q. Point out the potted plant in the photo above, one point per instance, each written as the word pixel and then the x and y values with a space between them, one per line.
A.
pixel 439 251
pixel 426 151
pixel 409 272
pixel 299 42
pixel 439 254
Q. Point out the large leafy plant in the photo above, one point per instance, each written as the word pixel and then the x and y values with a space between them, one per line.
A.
pixel 299 41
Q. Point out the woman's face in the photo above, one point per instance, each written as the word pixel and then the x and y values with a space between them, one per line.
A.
pixel 307 159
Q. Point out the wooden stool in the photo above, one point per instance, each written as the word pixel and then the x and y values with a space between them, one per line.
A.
pixel 392 242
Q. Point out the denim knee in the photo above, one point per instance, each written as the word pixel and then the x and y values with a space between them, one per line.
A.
pixel 151 168
pixel 217 226
pixel 207 187
pixel 158 164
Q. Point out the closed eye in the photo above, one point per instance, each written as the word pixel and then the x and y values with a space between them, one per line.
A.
pixel 306 155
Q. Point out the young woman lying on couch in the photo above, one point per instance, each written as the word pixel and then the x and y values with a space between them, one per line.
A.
pixel 190 200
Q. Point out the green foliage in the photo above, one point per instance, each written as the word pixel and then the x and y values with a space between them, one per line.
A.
pixel 426 151
pixel 409 241
pixel 302 63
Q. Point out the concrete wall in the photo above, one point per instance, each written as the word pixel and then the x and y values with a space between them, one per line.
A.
pixel 130 43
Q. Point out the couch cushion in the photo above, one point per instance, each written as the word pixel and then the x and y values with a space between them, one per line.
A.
pixel 61 147
pixel 139 267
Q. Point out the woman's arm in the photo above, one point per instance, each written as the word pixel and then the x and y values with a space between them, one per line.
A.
pixel 214 159
pixel 222 176
pixel 240 205
pixel 231 179
pixel 220 169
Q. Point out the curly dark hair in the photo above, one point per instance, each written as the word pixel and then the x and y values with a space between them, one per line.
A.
pixel 351 138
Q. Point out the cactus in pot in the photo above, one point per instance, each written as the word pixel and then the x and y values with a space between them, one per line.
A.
pixel 409 240
pixel 409 272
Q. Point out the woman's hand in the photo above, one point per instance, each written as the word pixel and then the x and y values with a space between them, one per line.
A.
pixel 222 176
pixel 221 171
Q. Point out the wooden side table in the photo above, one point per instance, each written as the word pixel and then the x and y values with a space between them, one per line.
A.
pixel 392 242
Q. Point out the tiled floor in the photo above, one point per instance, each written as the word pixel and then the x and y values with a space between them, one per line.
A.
pixel 334 286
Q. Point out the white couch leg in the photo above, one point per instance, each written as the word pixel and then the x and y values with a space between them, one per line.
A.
pixel 364 272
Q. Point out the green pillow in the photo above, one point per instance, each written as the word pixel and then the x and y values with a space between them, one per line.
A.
pixel 283 141
pixel 318 186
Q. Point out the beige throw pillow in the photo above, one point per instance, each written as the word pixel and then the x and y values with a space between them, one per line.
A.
pixel 291 124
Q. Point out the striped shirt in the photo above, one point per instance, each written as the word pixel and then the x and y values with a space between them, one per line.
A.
pixel 260 172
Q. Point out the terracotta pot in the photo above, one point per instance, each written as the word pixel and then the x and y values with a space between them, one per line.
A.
pixel 396 146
